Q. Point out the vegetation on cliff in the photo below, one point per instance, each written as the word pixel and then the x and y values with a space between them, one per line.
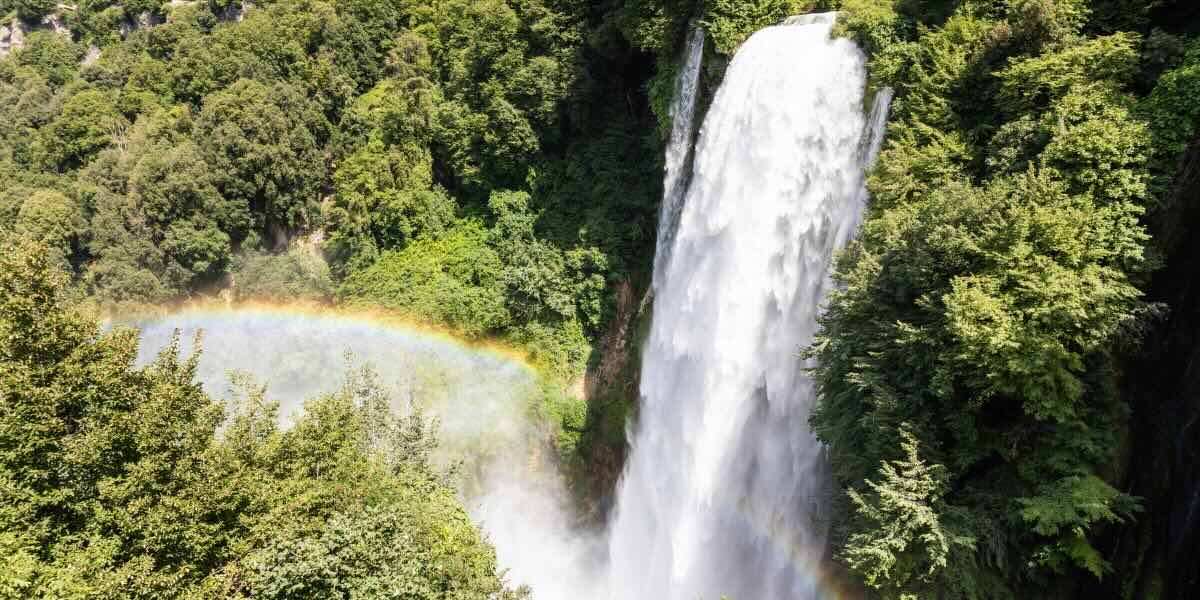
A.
pixel 389 131
pixel 968 366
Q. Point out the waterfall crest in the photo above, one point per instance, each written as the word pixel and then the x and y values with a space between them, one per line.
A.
pixel 722 491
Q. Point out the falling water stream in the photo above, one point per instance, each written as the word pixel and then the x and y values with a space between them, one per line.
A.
pixel 677 167
pixel 723 487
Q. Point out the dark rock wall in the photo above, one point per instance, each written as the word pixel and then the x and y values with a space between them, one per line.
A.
pixel 1158 556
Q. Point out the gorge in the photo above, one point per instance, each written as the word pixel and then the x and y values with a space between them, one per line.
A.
pixel 611 300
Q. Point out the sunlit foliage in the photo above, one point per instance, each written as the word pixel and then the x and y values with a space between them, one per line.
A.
pixel 966 375
pixel 197 138
pixel 116 480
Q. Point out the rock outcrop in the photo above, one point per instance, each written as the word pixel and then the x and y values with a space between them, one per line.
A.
pixel 13 35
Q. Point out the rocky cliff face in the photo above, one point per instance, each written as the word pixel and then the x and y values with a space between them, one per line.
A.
pixel 611 389
pixel 12 36
pixel 1156 557
pixel 145 20
pixel 14 33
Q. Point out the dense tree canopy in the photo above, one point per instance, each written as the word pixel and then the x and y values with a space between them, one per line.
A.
pixel 966 367
pixel 114 481
pixel 188 138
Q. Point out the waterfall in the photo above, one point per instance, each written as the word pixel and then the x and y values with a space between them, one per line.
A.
pixel 872 140
pixel 679 144
pixel 724 483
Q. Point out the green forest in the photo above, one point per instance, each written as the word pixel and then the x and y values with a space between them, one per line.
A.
pixel 971 365
pixel 1001 418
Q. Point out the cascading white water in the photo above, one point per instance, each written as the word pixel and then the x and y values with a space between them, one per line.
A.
pixel 679 145
pixel 722 489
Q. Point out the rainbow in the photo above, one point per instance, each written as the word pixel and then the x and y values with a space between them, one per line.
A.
pixel 299 351
pixel 819 572
pixel 363 318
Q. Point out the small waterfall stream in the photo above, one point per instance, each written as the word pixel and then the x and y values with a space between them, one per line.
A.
pixel 679 145
pixel 723 488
